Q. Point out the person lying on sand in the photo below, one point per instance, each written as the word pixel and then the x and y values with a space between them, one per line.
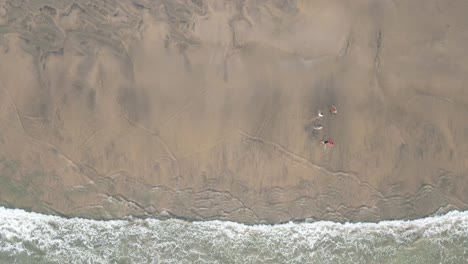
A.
pixel 328 142
pixel 333 110
pixel 318 127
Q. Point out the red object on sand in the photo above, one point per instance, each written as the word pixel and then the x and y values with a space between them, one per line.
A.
pixel 333 110
pixel 331 143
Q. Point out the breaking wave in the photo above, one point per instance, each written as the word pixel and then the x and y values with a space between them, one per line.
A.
pixel 35 238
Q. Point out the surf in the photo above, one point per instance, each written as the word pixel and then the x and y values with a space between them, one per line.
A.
pixel 27 237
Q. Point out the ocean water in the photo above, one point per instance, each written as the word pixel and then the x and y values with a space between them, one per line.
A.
pixel 35 238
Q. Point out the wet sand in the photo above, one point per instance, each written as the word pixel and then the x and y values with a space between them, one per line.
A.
pixel 205 109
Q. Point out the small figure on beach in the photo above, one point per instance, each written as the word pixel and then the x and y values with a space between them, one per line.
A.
pixel 333 110
pixel 318 127
pixel 328 142
pixel 320 114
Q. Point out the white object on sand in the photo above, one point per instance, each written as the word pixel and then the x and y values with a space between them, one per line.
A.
pixel 320 114
pixel 318 127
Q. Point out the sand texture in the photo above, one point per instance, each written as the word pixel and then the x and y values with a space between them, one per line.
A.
pixel 205 109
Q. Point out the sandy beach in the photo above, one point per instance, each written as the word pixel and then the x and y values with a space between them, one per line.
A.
pixel 205 109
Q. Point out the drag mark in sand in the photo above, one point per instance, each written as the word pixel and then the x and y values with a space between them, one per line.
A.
pixel 135 124
pixel 52 146
pixel 226 139
pixel 91 137
pixel 431 96
pixel 377 53
pixel 182 110
pixel 309 164
pixel 5 90
pixel 265 122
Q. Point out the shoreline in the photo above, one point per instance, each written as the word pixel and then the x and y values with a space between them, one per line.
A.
pixel 188 220
pixel 136 218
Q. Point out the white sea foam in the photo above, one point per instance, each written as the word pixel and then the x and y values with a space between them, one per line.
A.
pixel 35 238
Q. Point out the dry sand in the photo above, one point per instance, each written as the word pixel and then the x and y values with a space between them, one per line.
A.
pixel 201 109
